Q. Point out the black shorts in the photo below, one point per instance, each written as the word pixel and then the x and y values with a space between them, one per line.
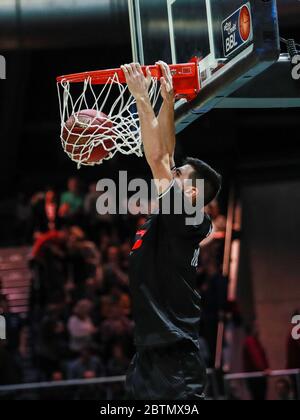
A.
pixel 173 372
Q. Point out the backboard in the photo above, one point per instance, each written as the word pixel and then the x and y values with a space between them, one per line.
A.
pixel 234 40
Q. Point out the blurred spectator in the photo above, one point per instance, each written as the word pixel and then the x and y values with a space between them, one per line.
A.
pixel 14 347
pixel 57 376
pixel 234 391
pixel 213 290
pixel 90 202
pixel 71 202
pixel 212 248
pixel 9 374
pixel 81 327
pixel 95 221
pixel 52 342
pixel 255 360
pixel 86 366
pixel 293 353
pixel 233 336
pixel 125 304
pixel 45 211
pixel 114 275
pixel 117 366
pixel 205 350
pixel 119 362
pixel 1 288
pixel 56 393
pixel 42 240
pixel 284 390
pixel 116 327
pixel 105 304
pixel 218 220
pixel 83 256
pixel 16 331
pixel 49 269
pixel 125 250
pixel 92 289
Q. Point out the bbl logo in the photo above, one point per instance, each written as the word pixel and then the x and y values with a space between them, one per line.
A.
pixel 237 29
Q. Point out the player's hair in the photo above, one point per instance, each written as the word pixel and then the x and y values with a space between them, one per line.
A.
pixel 212 180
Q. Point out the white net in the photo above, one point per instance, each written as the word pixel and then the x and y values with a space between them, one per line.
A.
pixel 97 121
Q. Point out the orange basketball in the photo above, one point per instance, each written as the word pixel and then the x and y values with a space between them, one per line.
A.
pixel 245 23
pixel 82 129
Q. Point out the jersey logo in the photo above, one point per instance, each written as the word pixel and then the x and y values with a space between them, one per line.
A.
pixel 139 239
pixel 195 259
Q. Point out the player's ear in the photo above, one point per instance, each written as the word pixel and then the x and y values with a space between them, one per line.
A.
pixel 192 192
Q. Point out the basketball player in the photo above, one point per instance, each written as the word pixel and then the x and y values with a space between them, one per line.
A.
pixel 166 307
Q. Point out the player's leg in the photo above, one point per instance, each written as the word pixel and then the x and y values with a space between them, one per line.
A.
pixel 139 378
pixel 194 372
pixel 174 372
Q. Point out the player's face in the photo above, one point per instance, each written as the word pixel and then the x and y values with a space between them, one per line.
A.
pixel 183 177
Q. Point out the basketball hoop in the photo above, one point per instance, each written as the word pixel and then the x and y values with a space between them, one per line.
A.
pixel 99 116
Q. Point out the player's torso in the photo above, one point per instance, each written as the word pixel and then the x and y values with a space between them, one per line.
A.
pixel 162 282
pixel 161 252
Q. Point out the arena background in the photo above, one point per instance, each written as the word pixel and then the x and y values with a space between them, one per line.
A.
pixel 257 151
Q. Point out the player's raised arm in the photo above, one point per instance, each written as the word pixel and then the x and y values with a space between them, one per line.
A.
pixel 166 118
pixel 155 147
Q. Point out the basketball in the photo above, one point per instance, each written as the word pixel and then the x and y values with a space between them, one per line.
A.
pixel 83 129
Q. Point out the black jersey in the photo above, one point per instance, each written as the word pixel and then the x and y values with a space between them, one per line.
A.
pixel 166 306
